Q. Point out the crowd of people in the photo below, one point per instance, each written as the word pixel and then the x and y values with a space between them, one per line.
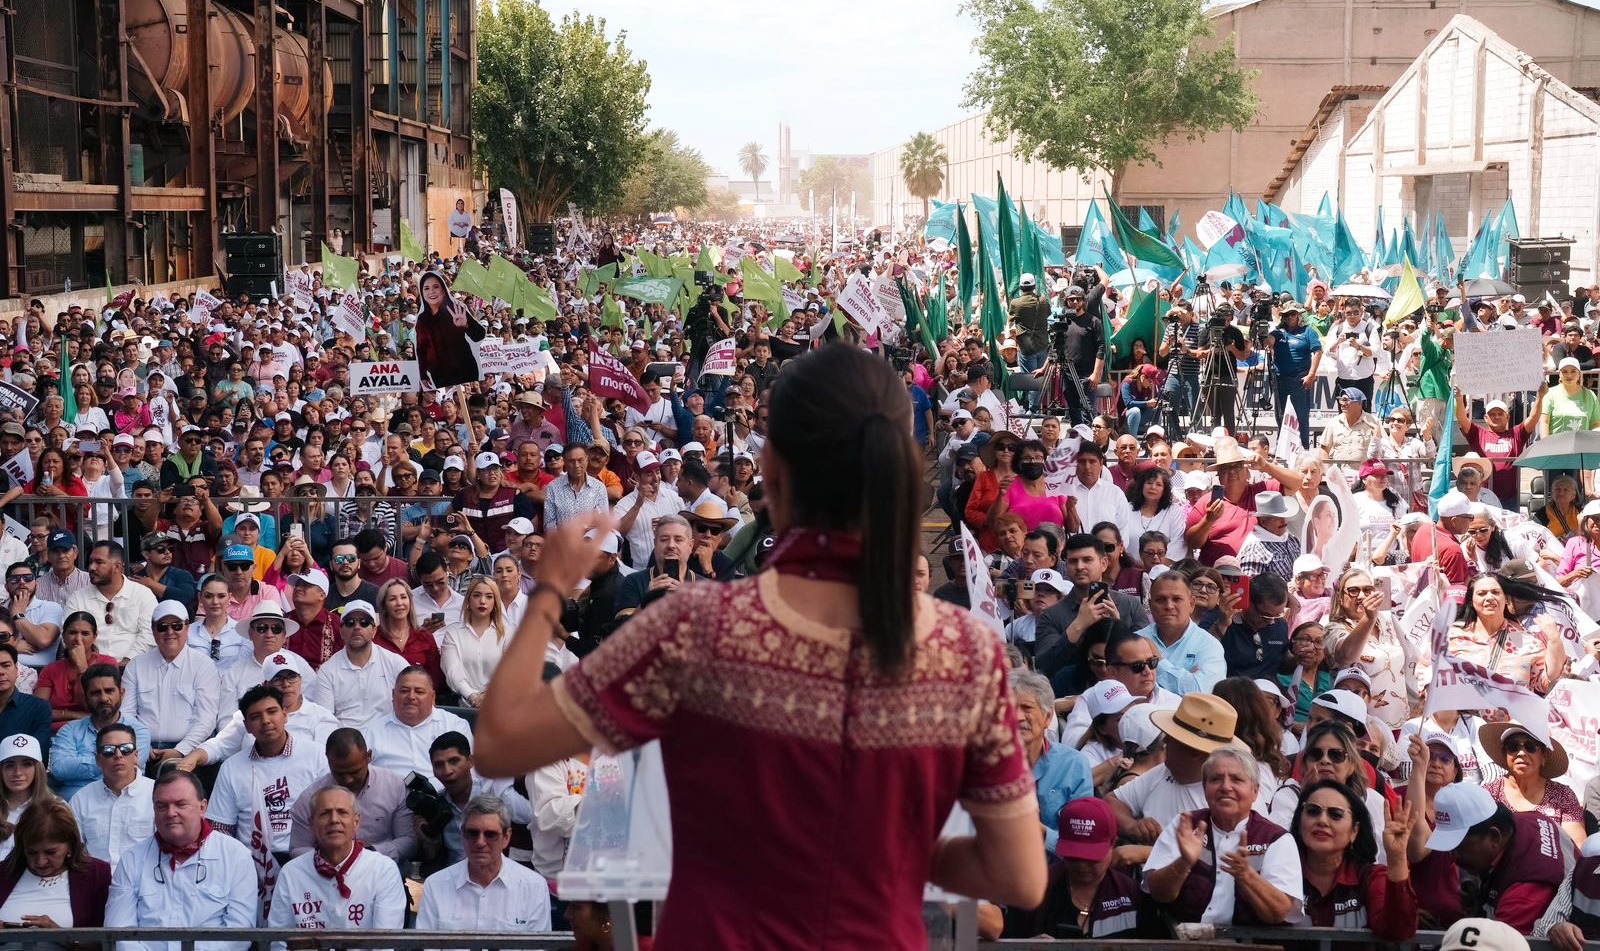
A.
pixel 251 615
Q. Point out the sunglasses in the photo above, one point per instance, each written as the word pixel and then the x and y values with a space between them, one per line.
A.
pixel 1137 667
pixel 170 626
pixel 239 566
pixel 1513 747
pixel 359 621
pixel 343 559
pixel 488 835
pixel 1333 754
pixel 117 749
pixel 19 579
pixel 262 627
pixel 1334 813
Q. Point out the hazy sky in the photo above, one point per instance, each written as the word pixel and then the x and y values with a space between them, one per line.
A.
pixel 849 76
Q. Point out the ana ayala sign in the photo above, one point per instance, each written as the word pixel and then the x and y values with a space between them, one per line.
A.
pixel 390 376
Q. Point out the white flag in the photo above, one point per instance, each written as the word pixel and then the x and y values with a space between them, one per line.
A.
pixel 980 587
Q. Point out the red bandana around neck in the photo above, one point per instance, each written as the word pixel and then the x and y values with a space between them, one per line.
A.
pixel 183 853
pixel 327 869
pixel 818 554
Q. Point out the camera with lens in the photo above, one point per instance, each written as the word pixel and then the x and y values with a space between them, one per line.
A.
pixel 710 290
pixel 1014 589
pixel 1434 307
pixel 901 357
pixel 427 803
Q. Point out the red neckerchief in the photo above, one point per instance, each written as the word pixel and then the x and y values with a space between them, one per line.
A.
pixel 818 554
pixel 327 869
pixel 183 853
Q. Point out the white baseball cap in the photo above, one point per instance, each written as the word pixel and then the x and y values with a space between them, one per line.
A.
pixel 486 459
pixel 694 447
pixel 1137 727
pixel 1308 564
pixel 358 607
pixel 23 745
pixel 284 662
pixel 1271 689
pixel 315 577
pixel 1483 934
pixel 960 416
pixel 1501 404
pixel 520 525
pixel 1347 705
pixel 1568 362
pixel 1454 504
pixel 1457 808
pixel 1108 696
pixel 168 609
pixel 1198 479
pixel 1353 673
pixel 1052 579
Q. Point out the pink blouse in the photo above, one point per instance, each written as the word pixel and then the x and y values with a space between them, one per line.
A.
pixel 1580 553
pixel 1035 510
pixel 806 790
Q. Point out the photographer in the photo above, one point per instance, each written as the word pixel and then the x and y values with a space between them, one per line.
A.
pixel 1296 355
pixel 1080 342
pixel 1031 314
pixel 1181 338
pixel 1353 339
pixel 1224 345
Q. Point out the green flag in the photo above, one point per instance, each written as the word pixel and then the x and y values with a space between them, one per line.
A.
pixel 1006 235
pixel 650 290
pixel 655 265
pixel 704 260
pixel 410 247
pixel 966 286
pixel 339 271
pixel 1030 256
pixel 591 280
pixel 504 277
pixel 533 300
pixel 1142 247
pixel 761 286
pixel 473 278
pixel 110 295
pixel 991 316
pixel 916 320
pixel 785 271
pixel 611 314
pixel 1145 311
pixel 937 317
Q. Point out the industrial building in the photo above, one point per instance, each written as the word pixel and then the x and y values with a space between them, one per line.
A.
pixel 138 133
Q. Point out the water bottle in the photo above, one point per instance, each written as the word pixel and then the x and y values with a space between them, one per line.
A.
pixel 47 481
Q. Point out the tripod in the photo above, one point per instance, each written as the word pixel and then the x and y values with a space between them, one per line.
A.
pixel 1214 403
pixel 1391 392
pixel 1062 385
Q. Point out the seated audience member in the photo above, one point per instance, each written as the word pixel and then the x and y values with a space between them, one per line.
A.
pixel 75 751
pixel 115 811
pixel 1522 860
pixel 1060 773
pixel 400 736
pixel 1345 885
pixel 485 892
pixel 50 854
pixel 380 794
pixel 1226 864
pixel 340 885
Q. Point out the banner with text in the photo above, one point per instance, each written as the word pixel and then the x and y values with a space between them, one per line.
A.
pixel 720 358
pixel 980 587
pixel 1575 724
pixel 20 469
pixel 859 301
pixel 390 376
pixel 348 317
pixel 610 379
pixel 15 399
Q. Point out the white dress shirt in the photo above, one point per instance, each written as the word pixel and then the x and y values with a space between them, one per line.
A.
pixel 425 607
pixel 304 899
pixel 1102 502
pixel 215 888
pixel 113 822
pixel 469 658
pixel 309 725
pixel 246 782
pixel 516 902
pixel 642 534
pixel 128 633
pixel 43 612
pixel 404 749
pixel 357 694
pixel 556 791
pixel 244 673
pixel 176 700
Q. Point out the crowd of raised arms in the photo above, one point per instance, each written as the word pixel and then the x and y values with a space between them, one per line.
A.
pixel 251 612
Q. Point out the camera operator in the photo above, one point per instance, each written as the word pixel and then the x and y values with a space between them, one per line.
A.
pixel 1354 341
pixel 1224 344
pixel 1296 355
pixel 703 324
pixel 1031 314
pixel 1079 338
pixel 1181 338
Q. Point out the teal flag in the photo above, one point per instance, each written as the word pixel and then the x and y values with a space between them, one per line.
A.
pixel 1096 246
pixel 1442 478
pixel 1444 253
pixel 1326 209
pixel 1174 227
pixel 1140 246
pixel 1348 257
pixel 938 315
pixel 1049 245
pixel 1147 224
pixel 941 221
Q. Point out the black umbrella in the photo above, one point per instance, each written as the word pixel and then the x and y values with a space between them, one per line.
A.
pixel 1488 287
pixel 1576 449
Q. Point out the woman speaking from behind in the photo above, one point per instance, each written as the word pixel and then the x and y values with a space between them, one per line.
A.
pixel 818 720
pixel 443 326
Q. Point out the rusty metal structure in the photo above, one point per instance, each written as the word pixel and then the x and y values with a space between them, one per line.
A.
pixel 135 133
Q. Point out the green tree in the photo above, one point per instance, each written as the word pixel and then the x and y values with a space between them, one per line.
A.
pixel 753 163
pixel 721 204
pixel 922 164
pixel 833 180
pixel 1099 84
pixel 666 175
pixel 558 111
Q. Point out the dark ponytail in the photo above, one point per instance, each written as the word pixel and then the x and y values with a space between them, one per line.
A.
pixel 841 423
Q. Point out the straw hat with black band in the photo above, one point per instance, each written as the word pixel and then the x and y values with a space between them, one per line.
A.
pixel 1230 453
pixel 987 453
pixel 709 513
pixel 1493 737
pixel 1202 722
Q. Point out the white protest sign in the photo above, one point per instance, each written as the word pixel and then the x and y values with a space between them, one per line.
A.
pixel 205 303
pixel 1212 227
pixel 389 376
pixel 20 468
pixel 492 355
pixel 1575 724
pixel 1498 361
pixel 720 358
pixel 16 530
pixel 889 296
pixel 793 300
pixel 521 358
pixel 347 316
pixel 859 301
pixel 1462 685
pixel 980 587
pixel 300 289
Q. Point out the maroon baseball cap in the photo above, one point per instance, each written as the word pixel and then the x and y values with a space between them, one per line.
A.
pixel 1087 830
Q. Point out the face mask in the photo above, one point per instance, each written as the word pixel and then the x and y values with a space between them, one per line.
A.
pixel 1031 470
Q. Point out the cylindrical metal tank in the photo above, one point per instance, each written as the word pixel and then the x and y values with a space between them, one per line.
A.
pixel 159 61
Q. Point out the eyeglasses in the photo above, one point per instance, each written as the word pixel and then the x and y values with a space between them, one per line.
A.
pixel 170 626
pixel 1204 587
pixel 263 627
pixel 20 579
pixel 118 749
pixel 488 835
pixel 1137 667
pixel 1333 754
pixel 1334 813
pixel 1513 747
pixel 1441 756
pixel 1479 531
pixel 216 649
pixel 1360 591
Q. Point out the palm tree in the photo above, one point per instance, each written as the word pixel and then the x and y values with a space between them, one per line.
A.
pixel 922 164
pixel 753 163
